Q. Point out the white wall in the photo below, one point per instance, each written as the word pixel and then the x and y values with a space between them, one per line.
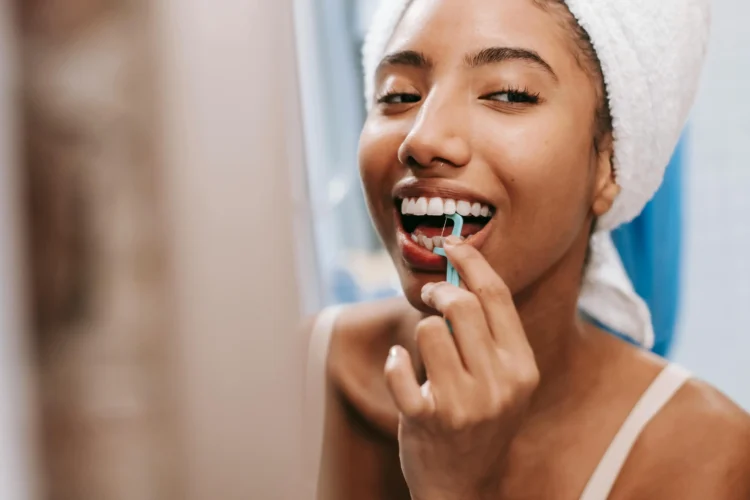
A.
pixel 714 338
pixel 235 185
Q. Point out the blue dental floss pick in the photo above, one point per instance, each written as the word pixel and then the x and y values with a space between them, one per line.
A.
pixel 451 275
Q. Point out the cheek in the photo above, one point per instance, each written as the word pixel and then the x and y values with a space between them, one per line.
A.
pixel 546 162
pixel 379 168
pixel 554 177
pixel 545 165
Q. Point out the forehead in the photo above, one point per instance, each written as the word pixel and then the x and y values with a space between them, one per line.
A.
pixel 446 27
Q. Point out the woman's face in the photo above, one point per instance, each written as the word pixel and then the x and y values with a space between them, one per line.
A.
pixel 483 107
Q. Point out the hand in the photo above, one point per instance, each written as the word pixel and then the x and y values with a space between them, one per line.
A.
pixel 456 428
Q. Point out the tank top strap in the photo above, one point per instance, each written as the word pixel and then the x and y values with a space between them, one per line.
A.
pixel 316 396
pixel 658 394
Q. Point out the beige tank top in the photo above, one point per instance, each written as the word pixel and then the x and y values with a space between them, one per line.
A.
pixel 599 486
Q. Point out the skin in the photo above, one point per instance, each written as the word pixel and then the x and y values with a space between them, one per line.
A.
pixel 524 398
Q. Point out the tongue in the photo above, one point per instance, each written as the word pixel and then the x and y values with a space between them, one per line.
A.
pixel 430 231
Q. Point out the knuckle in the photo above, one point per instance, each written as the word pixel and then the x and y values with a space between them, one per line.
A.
pixel 497 396
pixel 457 419
pixel 532 377
pixel 496 399
pixel 416 412
pixel 462 252
pixel 462 303
pixel 469 255
pixel 428 327
pixel 428 330
pixel 494 288
pixel 527 380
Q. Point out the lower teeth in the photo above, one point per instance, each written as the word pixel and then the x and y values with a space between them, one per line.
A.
pixel 429 243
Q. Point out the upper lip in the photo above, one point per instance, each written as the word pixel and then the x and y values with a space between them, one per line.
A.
pixel 437 188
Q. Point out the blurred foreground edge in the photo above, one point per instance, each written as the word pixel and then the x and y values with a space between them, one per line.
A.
pixel 155 137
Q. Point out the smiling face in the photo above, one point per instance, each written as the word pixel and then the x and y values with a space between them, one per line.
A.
pixel 483 107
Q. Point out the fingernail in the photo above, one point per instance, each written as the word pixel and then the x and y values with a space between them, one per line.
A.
pixel 426 389
pixel 426 290
pixel 392 357
pixel 452 240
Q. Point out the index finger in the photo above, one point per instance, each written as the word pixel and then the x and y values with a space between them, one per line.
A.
pixel 494 295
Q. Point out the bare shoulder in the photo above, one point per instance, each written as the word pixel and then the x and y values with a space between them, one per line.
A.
pixel 360 328
pixel 360 323
pixel 360 340
pixel 698 446
pixel 359 448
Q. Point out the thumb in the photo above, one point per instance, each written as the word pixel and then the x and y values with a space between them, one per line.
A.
pixel 414 402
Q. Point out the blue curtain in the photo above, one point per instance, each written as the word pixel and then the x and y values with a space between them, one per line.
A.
pixel 651 250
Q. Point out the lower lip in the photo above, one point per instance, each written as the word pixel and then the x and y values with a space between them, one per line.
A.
pixel 419 258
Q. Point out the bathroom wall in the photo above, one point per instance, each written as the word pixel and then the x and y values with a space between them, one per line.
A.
pixel 714 334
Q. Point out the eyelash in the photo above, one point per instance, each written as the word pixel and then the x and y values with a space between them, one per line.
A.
pixel 522 96
pixel 516 95
pixel 384 98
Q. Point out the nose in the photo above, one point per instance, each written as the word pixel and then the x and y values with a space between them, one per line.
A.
pixel 438 136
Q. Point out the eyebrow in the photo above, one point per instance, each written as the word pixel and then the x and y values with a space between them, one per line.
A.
pixel 484 57
pixel 405 58
pixel 494 55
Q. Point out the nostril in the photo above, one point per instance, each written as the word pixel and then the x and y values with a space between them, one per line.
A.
pixel 412 162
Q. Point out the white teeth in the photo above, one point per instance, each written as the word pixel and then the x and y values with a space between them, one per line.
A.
pixel 463 208
pixel 411 207
pixel 430 243
pixel 435 206
pixel 449 207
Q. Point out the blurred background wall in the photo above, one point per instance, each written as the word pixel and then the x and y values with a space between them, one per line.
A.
pixel 238 226
pixel 19 471
pixel 713 337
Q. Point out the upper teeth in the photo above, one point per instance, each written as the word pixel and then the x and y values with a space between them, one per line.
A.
pixel 441 206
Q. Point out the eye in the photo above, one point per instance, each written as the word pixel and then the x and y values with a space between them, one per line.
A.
pixel 514 96
pixel 398 98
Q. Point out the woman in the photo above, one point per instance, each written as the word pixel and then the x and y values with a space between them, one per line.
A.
pixel 499 109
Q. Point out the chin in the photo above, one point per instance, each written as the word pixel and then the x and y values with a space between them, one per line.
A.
pixel 416 303
pixel 412 283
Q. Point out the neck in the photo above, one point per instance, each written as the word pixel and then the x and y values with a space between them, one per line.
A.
pixel 555 331
pixel 549 313
pixel 565 346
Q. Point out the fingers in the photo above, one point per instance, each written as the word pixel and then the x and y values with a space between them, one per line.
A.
pixel 403 386
pixel 471 333
pixel 441 359
pixel 494 296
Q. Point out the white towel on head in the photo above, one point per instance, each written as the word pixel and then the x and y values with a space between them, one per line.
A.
pixel 651 52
